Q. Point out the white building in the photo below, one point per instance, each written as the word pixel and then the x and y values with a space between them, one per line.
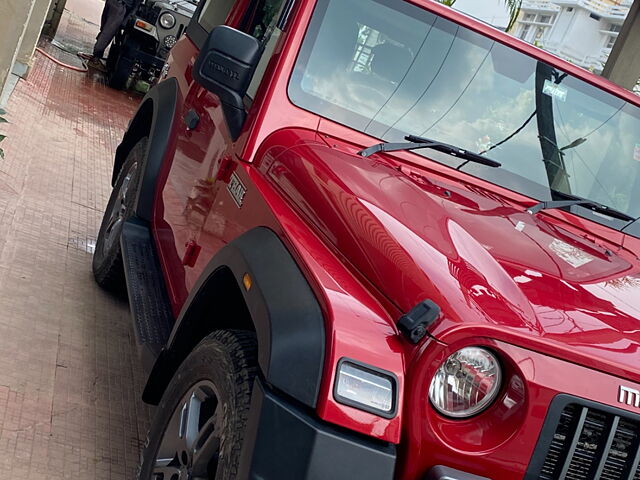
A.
pixel 580 31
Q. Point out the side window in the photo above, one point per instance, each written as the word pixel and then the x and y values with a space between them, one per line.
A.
pixel 264 16
pixel 265 27
pixel 214 13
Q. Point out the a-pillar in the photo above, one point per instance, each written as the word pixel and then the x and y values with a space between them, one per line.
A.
pixel 623 65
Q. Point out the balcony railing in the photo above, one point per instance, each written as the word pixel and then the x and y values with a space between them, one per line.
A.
pixel 539 5
pixel 536 23
pixel 596 6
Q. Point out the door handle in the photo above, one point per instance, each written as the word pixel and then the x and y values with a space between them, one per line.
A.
pixel 191 119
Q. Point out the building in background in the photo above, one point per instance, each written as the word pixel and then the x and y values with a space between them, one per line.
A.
pixel 580 31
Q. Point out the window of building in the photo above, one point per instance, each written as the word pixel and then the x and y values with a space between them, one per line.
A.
pixel 614 27
pixel 539 37
pixel 524 32
pixel 368 38
pixel 529 17
pixel 610 42
pixel 544 19
pixel 569 9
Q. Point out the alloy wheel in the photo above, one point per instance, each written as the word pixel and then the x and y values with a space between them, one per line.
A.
pixel 190 445
pixel 119 212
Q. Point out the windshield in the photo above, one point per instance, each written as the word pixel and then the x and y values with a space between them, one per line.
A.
pixel 390 69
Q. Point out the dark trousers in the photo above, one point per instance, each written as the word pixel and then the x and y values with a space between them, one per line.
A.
pixel 113 16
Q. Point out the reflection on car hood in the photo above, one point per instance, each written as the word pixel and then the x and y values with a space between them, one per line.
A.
pixel 505 272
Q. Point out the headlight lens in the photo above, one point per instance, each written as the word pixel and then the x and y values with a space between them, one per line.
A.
pixel 167 20
pixel 466 383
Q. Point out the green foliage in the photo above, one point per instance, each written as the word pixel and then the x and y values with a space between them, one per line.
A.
pixel 2 137
pixel 514 11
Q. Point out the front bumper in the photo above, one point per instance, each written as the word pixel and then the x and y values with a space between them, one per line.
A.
pixel 285 442
pixel 133 55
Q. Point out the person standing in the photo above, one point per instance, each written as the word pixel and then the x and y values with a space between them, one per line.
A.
pixel 114 14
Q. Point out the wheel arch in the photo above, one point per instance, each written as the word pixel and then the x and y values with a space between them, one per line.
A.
pixel 154 118
pixel 279 306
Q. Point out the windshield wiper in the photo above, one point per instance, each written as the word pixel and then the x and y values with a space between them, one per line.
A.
pixel 414 143
pixel 596 207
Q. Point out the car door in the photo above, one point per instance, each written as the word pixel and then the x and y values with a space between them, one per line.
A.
pixel 200 136
pixel 187 228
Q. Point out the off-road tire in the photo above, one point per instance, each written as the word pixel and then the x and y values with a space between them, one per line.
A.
pixel 108 270
pixel 117 70
pixel 228 360
pixel 118 77
pixel 114 54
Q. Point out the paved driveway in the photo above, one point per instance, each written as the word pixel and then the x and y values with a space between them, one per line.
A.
pixel 69 376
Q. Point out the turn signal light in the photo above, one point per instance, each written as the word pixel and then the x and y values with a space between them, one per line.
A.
pixel 144 25
pixel 366 388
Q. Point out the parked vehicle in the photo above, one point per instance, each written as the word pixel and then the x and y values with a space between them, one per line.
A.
pixel 140 49
pixel 378 239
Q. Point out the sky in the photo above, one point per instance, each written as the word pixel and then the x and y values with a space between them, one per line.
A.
pixel 491 11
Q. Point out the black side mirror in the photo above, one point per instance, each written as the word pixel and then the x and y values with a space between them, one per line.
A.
pixel 225 67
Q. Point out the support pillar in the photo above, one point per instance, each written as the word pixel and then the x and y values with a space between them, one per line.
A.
pixel 24 59
pixel 623 65
pixel 14 17
pixel 53 18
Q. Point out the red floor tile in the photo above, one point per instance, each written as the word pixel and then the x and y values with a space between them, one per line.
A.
pixel 69 376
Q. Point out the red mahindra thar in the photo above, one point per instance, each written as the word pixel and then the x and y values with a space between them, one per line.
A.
pixel 376 239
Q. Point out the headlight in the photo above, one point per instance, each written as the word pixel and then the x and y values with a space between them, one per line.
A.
pixel 466 383
pixel 366 388
pixel 169 41
pixel 167 20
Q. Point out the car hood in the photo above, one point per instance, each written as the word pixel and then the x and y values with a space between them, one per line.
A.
pixel 490 266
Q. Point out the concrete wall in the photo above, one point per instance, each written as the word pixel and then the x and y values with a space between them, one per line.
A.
pixel 24 58
pixel 14 17
pixel 20 26
pixel 577 35
pixel 561 26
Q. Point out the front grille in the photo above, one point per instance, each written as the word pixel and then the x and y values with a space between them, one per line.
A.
pixel 587 441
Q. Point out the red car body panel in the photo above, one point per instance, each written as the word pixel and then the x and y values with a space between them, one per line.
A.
pixel 471 252
pixel 500 441
pixel 375 236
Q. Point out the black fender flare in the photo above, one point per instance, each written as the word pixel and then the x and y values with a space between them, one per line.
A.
pixel 283 308
pixel 156 116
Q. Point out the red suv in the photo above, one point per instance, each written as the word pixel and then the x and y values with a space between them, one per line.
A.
pixel 377 239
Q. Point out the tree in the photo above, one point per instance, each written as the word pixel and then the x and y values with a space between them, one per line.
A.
pixel 513 6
